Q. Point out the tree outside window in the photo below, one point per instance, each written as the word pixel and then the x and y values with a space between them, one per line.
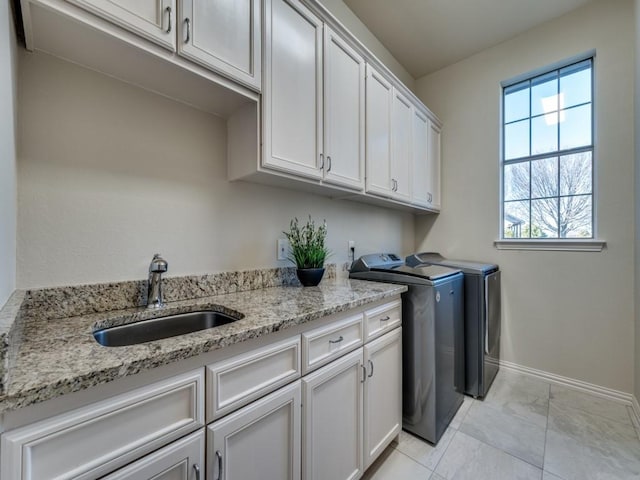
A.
pixel 548 155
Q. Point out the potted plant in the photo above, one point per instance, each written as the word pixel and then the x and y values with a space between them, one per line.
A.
pixel 308 251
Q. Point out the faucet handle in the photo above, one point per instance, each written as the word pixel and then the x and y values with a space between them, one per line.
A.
pixel 158 264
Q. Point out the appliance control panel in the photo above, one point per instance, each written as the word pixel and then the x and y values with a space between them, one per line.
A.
pixel 377 261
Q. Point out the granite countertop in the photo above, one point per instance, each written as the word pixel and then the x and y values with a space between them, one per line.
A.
pixel 52 357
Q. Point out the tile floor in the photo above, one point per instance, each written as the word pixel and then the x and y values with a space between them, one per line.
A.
pixel 524 429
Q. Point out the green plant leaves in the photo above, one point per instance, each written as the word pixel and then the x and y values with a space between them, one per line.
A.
pixel 307 243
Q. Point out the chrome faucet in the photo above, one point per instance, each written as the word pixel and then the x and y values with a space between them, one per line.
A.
pixel 154 295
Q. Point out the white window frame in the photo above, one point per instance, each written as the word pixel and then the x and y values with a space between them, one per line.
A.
pixel 555 244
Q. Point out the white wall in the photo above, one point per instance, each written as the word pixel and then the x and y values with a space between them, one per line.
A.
pixel 567 313
pixel 8 182
pixel 349 19
pixel 110 174
pixel 637 198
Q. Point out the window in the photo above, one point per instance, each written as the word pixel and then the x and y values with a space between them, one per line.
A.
pixel 547 152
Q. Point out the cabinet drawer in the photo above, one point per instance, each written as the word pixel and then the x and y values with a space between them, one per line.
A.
pixel 323 344
pixel 179 460
pixel 382 319
pixel 244 378
pixel 92 441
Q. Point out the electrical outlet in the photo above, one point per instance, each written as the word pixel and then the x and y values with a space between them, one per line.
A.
pixel 283 248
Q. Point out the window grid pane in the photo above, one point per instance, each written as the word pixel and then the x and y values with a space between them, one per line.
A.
pixel 547 172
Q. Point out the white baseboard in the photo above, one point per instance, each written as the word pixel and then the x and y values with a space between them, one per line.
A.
pixel 635 409
pixel 603 392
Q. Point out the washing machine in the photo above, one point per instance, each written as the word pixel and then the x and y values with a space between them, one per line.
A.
pixel 432 339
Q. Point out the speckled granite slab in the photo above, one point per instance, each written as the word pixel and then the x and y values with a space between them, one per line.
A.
pixel 62 302
pixel 58 357
pixel 9 332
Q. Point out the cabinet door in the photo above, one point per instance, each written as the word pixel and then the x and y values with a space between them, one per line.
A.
pixel 344 71
pixel 378 134
pixel 434 166
pixel 383 393
pixel 180 460
pixel 223 35
pixel 401 124
pixel 259 441
pixel 420 194
pixel 292 112
pixel 332 420
pixel 154 20
pixel 91 441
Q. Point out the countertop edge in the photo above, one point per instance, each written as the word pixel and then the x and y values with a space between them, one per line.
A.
pixel 48 391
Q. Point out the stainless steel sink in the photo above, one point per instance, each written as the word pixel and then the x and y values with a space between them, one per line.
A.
pixel 161 327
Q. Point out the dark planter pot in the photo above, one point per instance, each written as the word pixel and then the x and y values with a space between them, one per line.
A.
pixel 310 277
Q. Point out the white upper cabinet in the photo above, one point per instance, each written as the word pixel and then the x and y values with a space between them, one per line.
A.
pixel 420 193
pixel 401 124
pixel 378 134
pixel 434 166
pixel 292 114
pixel 344 120
pixel 223 35
pixel 154 20
pixel 426 162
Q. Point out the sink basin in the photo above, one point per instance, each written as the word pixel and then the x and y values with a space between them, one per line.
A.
pixel 162 327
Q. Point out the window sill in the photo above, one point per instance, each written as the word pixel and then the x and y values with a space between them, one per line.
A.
pixel 552 245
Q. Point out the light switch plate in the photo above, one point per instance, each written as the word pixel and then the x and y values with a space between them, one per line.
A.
pixel 283 249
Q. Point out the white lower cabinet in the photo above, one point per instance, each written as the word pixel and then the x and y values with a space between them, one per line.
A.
pixel 259 441
pixel 328 425
pixel 352 410
pixel 332 420
pixel 382 393
pixel 181 460
pixel 92 441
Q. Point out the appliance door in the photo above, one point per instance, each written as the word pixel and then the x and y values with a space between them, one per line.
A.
pixel 419 362
pixel 492 315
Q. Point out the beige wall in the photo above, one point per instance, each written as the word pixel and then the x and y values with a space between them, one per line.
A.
pixel 8 183
pixel 637 197
pixel 568 313
pixel 349 19
pixel 110 174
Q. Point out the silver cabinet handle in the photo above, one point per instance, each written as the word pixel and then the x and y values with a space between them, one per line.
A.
pixel 219 457
pixel 364 373
pixel 168 10
pixel 188 22
pixel 371 374
pixel 321 161
pixel 196 469
pixel 385 319
pixel 338 340
pixel 329 162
